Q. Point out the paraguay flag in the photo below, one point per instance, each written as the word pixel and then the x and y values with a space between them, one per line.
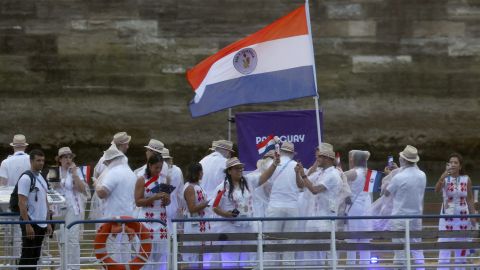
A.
pixel 273 64
pixel 373 181
pixel 266 145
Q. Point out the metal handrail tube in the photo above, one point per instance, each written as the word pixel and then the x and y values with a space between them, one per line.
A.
pixel 114 220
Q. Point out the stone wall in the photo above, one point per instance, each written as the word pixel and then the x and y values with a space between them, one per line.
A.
pixel 389 72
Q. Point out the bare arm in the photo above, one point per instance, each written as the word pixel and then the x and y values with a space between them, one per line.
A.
pixel 22 205
pixel 190 199
pixel 140 199
pixel 313 189
pixel 441 182
pixel 219 211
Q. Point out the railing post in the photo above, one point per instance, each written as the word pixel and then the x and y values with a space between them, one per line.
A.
pixel 63 247
pixel 333 245
pixel 407 244
pixel 175 247
pixel 260 244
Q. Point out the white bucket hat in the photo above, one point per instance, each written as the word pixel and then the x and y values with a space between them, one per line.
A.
pixel 326 150
pixel 19 140
pixel 65 151
pixel 155 145
pixel 410 153
pixel 121 138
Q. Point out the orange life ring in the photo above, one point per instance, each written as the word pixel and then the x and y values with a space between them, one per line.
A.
pixel 132 229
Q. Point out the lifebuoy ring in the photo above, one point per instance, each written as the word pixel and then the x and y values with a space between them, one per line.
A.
pixel 132 229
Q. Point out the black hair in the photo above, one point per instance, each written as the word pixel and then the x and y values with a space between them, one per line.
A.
pixel 231 187
pixel 152 160
pixel 460 161
pixel 36 153
pixel 194 170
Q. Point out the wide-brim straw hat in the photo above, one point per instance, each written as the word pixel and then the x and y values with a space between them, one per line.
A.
pixel 326 150
pixel 166 153
pixel 65 151
pixel 19 140
pixel 121 138
pixel 288 147
pixel 224 144
pixel 410 153
pixel 155 145
pixel 112 153
pixel 214 144
pixel 231 162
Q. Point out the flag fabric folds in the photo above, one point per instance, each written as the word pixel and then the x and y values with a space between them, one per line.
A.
pixel 266 145
pixel 273 64
pixel 373 181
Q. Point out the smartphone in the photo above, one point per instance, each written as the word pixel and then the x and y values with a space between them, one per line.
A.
pixel 390 161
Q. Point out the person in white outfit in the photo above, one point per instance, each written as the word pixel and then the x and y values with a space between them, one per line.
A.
pixel 283 201
pixel 261 194
pixel 174 178
pixel 73 187
pixel 120 142
pixel 117 192
pixel 360 202
pixel 214 166
pixel 456 189
pixel 235 199
pixel 325 185
pixel 407 188
pixel 10 170
pixel 154 206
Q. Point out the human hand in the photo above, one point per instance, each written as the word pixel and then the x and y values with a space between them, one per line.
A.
pixel 30 232
pixel 49 230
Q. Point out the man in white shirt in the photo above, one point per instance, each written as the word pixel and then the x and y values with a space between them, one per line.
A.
pixel 407 188
pixel 214 166
pixel 121 142
pixel 117 191
pixel 33 205
pixel 325 185
pixel 283 198
pixel 10 170
pixel 16 164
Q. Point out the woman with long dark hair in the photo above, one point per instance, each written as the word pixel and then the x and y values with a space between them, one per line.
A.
pixel 234 199
pixel 153 206
pixel 456 188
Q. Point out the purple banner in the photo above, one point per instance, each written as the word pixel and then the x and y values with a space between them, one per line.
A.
pixel 298 127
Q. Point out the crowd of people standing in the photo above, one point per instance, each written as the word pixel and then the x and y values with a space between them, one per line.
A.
pixel 217 186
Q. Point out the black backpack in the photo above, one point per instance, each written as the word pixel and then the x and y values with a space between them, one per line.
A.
pixel 14 196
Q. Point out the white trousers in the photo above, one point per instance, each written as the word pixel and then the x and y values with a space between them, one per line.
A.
pixel 281 226
pixel 444 255
pixel 415 225
pixel 73 239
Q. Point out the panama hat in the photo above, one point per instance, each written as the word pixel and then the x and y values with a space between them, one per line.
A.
pixel 326 150
pixel 231 162
pixel 121 138
pixel 155 145
pixel 19 140
pixel 224 144
pixel 65 151
pixel 165 153
pixel 112 153
pixel 288 147
pixel 410 153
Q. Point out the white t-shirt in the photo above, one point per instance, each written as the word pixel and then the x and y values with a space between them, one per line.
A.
pixel 37 199
pixel 213 167
pixel 285 191
pixel 13 166
pixel 407 188
pixel 120 182
pixel 326 201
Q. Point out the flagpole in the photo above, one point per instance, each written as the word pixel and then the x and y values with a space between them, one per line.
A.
pixel 229 124
pixel 317 106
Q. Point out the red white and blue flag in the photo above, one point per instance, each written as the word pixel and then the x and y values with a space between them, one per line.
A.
pixel 266 145
pixel 86 173
pixel 273 64
pixel 373 181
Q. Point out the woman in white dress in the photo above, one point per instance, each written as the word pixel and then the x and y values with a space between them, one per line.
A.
pixel 456 188
pixel 360 202
pixel 73 187
pixel 153 206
